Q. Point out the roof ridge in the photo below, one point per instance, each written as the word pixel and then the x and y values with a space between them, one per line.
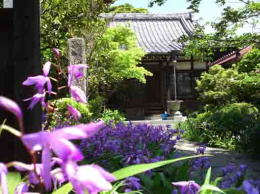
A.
pixel 147 16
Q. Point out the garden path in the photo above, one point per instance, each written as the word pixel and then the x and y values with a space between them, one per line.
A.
pixel 221 157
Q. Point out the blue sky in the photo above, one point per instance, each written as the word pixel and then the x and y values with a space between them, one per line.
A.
pixel 209 11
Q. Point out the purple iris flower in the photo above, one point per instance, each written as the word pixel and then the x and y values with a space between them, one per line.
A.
pixel 3 180
pixel 77 94
pixel 40 80
pixel 11 106
pixel 58 141
pixel 74 112
pixel 75 72
pixel 38 97
pixel 187 187
pixel 91 178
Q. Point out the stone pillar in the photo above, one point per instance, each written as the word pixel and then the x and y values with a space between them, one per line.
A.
pixel 77 55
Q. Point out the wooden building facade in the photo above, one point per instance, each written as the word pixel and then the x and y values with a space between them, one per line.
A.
pixel 157 35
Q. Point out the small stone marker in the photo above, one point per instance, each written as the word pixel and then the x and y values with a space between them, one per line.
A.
pixel 77 56
pixel 8 4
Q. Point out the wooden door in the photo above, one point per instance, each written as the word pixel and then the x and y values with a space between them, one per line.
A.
pixel 153 88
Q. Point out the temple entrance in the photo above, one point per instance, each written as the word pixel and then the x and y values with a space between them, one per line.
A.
pixel 153 88
pixel 153 96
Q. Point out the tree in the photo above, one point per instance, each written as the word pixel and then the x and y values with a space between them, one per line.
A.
pixel 225 36
pixel 240 83
pixel 116 58
pixel 112 54
pixel 126 8
pixel 63 19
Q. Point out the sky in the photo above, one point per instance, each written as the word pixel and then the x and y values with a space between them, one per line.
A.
pixel 209 10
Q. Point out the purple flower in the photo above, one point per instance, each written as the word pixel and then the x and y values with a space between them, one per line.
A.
pixel 21 188
pixel 74 112
pixel 249 188
pixel 56 52
pixel 91 178
pixel 201 163
pixel 133 183
pixel 11 106
pixel 187 187
pixel 46 68
pixel 201 149
pixel 40 172
pixel 243 167
pixel 38 97
pixel 3 181
pixel 77 94
pixel 58 141
pixel 75 72
pixel 39 81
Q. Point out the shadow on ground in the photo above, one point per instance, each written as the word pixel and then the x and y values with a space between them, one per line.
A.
pixel 221 157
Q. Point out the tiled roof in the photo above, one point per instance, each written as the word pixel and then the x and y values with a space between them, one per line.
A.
pixel 156 33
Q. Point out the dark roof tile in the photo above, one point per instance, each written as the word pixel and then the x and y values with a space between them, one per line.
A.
pixel 156 33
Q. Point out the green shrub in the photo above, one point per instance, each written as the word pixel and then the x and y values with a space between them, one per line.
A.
pixel 61 115
pixel 112 115
pixel 216 87
pixel 250 62
pixel 96 106
pixel 234 126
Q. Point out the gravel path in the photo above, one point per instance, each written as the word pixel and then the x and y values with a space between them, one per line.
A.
pixel 221 157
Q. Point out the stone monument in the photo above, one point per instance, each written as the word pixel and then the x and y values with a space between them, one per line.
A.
pixel 77 55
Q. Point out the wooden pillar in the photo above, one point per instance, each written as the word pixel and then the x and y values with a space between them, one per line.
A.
pixel 26 53
pixel 192 75
pixel 24 62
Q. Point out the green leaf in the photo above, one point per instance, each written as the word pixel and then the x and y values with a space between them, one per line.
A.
pixel 1 129
pixel 208 175
pixel 11 130
pixel 208 187
pixel 233 191
pixel 13 179
pixel 65 189
pixel 131 171
pixel 139 168
pixel 217 180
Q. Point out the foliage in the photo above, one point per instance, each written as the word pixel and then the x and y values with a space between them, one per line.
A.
pixel 250 61
pixel 215 86
pixel 113 116
pixel 220 86
pixel 116 58
pixel 96 106
pixel 112 54
pixel 233 126
pixel 60 116
pixel 126 8
pixel 121 145
pixel 225 35
pixel 61 20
